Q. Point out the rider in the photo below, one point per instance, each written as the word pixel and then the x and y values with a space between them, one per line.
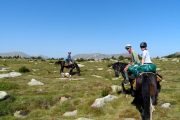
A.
pixel 146 59
pixel 69 58
pixel 134 60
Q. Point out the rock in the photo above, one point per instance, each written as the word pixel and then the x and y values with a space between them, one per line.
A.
pixel 174 60
pixel 115 88
pixel 100 69
pixel 115 78
pixel 21 114
pixel 34 82
pixel 97 76
pixel 65 75
pixel 80 65
pixel 63 99
pixel 11 74
pixel 82 118
pixel 109 98
pixel 100 102
pixel 69 114
pixel 2 69
pixel 3 95
pixel 78 79
pixel 166 105
pixel 129 119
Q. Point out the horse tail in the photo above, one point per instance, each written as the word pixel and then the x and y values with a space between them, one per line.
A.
pixel 149 93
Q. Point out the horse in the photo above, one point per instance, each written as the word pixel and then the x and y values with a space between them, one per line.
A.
pixel 146 92
pixel 72 66
pixel 118 68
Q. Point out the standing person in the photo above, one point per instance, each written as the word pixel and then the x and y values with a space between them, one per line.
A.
pixel 69 58
pixel 134 60
pixel 146 59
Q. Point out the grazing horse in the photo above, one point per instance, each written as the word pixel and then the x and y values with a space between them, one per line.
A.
pixel 72 66
pixel 146 92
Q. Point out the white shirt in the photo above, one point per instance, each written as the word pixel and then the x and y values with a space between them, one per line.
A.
pixel 146 56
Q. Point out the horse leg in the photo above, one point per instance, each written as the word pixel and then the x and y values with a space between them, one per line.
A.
pixel 123 88
pixel 77 68
pixel 71 71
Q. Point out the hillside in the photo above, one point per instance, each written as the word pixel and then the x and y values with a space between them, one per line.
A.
pixel 174 55
pixel 11 54
pixel 98 56
pixel 56 96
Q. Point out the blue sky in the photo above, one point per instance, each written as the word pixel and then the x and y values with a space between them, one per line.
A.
pixel 54 27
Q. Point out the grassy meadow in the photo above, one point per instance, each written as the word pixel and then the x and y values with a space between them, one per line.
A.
pixel 43 102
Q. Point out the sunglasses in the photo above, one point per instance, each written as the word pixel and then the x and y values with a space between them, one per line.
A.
pixel 127 48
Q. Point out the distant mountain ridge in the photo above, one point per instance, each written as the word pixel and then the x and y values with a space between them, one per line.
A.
pixel 174 55
pixel 11 54
pixel 21 54
pixel 98 56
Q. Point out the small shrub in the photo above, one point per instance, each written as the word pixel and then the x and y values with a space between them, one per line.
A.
pixel 23 69
pixel 8 86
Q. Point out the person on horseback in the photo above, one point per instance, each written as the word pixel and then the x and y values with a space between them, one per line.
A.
pixel 146 59
pixel 69 59
pixel 134 60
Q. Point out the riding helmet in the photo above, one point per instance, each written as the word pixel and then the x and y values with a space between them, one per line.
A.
pixel 143 45
pixel 128 46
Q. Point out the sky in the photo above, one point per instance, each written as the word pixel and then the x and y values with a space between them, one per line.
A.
pixel 54 27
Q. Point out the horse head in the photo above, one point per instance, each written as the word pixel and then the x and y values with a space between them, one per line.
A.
pixel 118 68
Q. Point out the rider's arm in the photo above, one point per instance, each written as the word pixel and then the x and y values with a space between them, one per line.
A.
pixel 142 61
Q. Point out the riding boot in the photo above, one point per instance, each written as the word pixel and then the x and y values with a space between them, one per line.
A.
pixel 126 81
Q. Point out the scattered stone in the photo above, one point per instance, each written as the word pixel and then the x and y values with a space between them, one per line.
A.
pixel 21 114
pixel 174 60
pixel 34 82
pixel 65 75
pixel 3 69
pixel 115 78
pixel 129 119
pixel 63 99
pixel 69 114
pixel 11 74
pixel 82 118
pixel 77 79
pixel 97 76
pixel 115 88
pixel 166 105
pixel 3 95
pixel 100 102
pixel 80 65
pixel 100 69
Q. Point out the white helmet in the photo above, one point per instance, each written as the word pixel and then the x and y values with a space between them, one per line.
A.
pixel 128 46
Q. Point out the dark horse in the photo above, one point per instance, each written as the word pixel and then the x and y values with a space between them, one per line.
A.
pixel 72 66
pixel 146 92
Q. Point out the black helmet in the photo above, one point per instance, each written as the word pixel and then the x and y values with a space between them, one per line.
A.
pixel 143 45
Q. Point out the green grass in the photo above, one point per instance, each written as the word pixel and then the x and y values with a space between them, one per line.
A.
pixel 45 105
